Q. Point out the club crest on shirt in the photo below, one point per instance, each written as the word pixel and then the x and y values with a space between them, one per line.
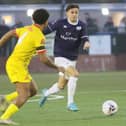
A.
pixel 64 26
pixel 78 28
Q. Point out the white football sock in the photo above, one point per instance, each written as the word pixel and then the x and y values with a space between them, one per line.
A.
pixel 52 90
pixel 71 89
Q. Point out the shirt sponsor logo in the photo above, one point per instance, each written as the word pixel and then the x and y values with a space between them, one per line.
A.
pixel 68 38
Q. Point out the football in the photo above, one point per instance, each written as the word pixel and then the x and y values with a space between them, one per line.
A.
pixel 109 107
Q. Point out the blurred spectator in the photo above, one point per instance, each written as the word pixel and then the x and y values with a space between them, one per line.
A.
pixel 109 26
pixel 18 24
pixel 122 26
pixel 5 50
pixel 3 22
pixel 92 26
pixel 88 18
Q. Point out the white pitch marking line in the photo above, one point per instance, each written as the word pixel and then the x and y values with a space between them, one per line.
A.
pixel 101 92
pixel 39 95
pixel 53 97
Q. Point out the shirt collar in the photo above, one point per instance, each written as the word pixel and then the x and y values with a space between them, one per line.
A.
pixel 37 26
pixel 75 23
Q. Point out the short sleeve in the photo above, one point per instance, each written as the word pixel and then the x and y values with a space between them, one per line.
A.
pixel 40 45
pixel 18 31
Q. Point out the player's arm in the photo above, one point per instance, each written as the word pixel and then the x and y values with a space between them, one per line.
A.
pixel 41 51
pixel 84 37
pixel 47 61
pixel 52 26
pixel 86 45
pixel 6 37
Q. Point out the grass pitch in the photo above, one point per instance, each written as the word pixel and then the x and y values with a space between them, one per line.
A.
pixel 92 90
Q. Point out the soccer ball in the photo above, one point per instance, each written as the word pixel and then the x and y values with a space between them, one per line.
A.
pixel 109 107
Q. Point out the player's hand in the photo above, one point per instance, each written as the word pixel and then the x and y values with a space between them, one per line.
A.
pixel 86 45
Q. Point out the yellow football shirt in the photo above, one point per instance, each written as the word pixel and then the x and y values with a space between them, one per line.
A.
pixel 30 41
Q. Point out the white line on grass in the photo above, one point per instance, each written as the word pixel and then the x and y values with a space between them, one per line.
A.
pixel 101 92
pixel 52 97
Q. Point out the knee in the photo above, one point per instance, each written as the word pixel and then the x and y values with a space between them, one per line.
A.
pixel 75 74
pixel 72 72
pixel 33 88
pixel 61 86
pixel 33 92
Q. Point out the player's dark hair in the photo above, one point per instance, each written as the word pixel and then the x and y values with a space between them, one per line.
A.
pixel 71 6
pixel 40 16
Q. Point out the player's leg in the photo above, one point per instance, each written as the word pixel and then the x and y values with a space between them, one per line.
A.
pixel 23 90
pixel 5 100
pixel 72 83
pixel 10 97
pixel 55 88
pixel 61 62
pixel 11 70
pixel 33 88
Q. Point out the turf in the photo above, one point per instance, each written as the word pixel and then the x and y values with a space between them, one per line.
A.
pixel 92 90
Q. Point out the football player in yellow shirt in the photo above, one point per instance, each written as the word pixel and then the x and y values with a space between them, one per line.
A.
pixel 31 41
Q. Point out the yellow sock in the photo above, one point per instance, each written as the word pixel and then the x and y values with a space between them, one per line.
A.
pixel 11 97
pixel 12 109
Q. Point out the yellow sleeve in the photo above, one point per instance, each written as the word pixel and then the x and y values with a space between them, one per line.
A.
pixel 39 42
pixel 40 45
pixel 18 31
